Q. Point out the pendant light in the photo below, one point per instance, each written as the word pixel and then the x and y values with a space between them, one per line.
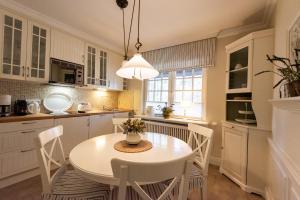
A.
pixel 137 67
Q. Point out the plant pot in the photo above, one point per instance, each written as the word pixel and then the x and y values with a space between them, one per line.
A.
pixel 166 116
pixel 289 90
pixel 296 85
pixel 133 138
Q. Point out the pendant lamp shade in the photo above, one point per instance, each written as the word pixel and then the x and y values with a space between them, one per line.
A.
pixel 137 68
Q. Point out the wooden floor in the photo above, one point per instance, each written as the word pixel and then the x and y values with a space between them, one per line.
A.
pixel 219 188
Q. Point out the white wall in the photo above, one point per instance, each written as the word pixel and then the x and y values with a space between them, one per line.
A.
pixel 284 158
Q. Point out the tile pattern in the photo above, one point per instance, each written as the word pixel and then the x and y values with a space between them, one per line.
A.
pixel 29 90
pixel 219 188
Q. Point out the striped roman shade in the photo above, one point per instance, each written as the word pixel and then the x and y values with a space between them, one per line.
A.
pixel 184 56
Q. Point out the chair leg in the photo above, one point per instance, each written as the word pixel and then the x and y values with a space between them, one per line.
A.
pixel 204 191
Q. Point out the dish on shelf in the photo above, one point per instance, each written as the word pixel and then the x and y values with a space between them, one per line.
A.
pixel 246 112
pixel 238 66
pixel 241 98
pixel 58 103
pixel 246 121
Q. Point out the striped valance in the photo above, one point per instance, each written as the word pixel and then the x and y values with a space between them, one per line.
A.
pixel 189 55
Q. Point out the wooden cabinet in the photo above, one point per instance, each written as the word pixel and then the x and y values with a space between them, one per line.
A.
pixel 114 82
pixel 21 37
pixel 100 125
pixel 67 47
pixel 13 45
pixel 234 152
pixel 17 150
pixel 75 130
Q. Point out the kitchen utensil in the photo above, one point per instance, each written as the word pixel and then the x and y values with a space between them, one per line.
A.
pixel 58 103
pixel 20 107
pixel 84 107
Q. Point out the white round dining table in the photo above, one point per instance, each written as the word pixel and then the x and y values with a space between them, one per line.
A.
pixel 92 158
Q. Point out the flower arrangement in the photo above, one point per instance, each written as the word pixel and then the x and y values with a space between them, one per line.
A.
pixel 133 126
pixel 290 73
pixel 167 111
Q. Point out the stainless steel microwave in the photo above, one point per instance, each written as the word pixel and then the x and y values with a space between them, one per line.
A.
pixel 63 72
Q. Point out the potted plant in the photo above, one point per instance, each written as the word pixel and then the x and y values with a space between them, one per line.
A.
pixel 290 73
pixel 132 129
pixel 167 111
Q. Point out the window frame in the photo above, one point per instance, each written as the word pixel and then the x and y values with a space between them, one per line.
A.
pixel 172 90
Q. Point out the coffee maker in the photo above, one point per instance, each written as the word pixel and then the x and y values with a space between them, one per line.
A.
pixel 5 105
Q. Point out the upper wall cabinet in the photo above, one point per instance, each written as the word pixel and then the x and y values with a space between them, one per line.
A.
pixel 19 38
pixel 115 82
pixel 66 47
pixel 13 48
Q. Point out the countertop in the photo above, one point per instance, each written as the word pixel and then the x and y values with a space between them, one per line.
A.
pixel 41 116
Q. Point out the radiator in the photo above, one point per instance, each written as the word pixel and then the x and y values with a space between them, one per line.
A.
pixel 175 130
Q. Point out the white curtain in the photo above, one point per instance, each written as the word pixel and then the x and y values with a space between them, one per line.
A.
pixel 184 56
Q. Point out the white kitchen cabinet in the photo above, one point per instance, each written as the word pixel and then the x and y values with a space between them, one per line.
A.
pixel 100 125
pixel 121 115
pixel 67 47
pixel 13 45
pixel 38 52
pixel 114 81
pixel 234 152
pixel 75 131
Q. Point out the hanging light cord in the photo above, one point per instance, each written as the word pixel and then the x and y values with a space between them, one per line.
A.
pixel 126 47
pixel 138 44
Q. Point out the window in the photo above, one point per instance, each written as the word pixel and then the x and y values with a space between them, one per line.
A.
pixel 182 88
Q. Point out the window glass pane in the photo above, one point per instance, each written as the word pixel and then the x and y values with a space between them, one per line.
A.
pixel 42 52
pixel 43 33
pixel 188 73
pixel 165 75
pixel 178 96
pixel 165 84
pixel 6 69
pixel 17 47
pixel 157 96
pixel 41 74
pixel 188 96
pixel 197 72
pixel 179 74
pixel 197 97
pixel 34 73
pixel 35 48
pixel 158 84
pixel 194 111
pixel 18 24
pixel 35 30
pixel 164 96
pixel 178 110
pixel 197 83
pixel 188 84
pixel 16 70
pixel 179 84
pixel 150 85
pixel 150 96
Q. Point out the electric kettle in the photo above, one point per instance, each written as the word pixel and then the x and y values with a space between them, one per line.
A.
pixel 33 107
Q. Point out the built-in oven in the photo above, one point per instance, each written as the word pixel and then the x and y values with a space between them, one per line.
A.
pixel 63 72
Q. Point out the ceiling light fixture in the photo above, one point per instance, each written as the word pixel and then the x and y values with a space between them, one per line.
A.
pixel 137 67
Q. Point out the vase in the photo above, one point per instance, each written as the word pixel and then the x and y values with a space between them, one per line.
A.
pixel 133 138
pixel 296 86
pixel 289 90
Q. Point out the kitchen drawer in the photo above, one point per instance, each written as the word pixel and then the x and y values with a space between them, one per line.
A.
pixel 19 140
pixel 235 127
pixel 17 162
pixel 25 125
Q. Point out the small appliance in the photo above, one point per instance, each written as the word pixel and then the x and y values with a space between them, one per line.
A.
pixel 20 107
pixel 66 73
pixel 5 105
pixel 33 106
pixel 84 107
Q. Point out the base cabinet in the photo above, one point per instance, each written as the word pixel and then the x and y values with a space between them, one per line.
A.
pixel 100 125
pixel 244 155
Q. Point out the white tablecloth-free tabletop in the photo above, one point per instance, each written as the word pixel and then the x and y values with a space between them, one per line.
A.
pixel 92 158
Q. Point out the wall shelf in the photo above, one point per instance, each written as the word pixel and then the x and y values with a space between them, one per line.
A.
pixel 291 104
pixel 238 70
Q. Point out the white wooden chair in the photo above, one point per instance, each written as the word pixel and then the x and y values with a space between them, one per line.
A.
pixel 117 122
pixel 200 139
pixel 132 173
pixel 63 184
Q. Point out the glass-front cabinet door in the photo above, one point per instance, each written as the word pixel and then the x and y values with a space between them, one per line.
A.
pixel 239 68
pixel 38 46
pixel 13 30
pixel 91 65
pixel 103 69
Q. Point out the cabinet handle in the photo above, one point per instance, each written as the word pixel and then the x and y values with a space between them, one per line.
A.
pixel 27 150
pixel 27 73
pixel 83 58
pixel 24 132
pixel 26 123
pixel 23 71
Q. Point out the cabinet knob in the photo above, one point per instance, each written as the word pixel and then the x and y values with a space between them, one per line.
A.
pixel 23 71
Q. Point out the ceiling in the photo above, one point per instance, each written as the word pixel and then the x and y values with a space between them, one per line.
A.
pixel 163 22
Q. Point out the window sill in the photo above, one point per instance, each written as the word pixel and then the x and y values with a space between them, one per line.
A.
pixel 173 120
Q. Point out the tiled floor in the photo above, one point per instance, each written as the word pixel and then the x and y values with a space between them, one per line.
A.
pixel 219 188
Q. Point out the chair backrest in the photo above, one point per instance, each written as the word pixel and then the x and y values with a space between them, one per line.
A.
pixel 117 122
pixel 134 173
pixel 46 143
pixel 200 139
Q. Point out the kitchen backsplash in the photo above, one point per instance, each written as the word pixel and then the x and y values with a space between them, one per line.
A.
pixel 27 90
